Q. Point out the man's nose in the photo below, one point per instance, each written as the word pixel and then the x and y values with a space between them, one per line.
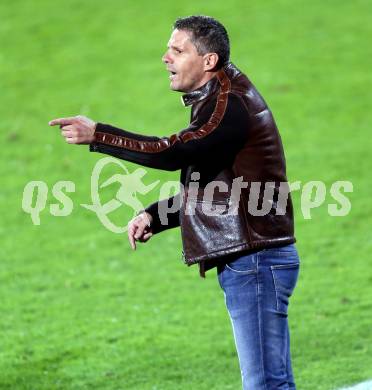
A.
pixel 166 59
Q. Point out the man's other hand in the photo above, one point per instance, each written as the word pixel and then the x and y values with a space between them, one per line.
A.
pixel 139 229
pixel 77 129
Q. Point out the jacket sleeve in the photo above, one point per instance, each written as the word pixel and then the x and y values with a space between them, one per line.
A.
pixel 221 127
pixel 163 220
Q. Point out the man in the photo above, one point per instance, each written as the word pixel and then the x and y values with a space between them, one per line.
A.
pixel 230 148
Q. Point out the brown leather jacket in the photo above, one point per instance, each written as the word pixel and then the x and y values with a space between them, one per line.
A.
pixel 232 134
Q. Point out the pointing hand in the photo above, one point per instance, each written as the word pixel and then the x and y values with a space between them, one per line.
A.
pixel 77 129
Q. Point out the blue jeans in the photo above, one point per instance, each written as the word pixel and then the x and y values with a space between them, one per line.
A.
pixel 257 287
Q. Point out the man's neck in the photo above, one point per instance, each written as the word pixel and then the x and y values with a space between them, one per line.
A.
pixel 208 76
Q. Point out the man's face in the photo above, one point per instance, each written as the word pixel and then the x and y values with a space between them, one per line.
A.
pixel 185 65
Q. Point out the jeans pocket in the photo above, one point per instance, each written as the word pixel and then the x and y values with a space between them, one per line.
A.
pixel 246 264
pixel 285 278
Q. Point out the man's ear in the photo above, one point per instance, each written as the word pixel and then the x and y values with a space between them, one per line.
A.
pixel 210 61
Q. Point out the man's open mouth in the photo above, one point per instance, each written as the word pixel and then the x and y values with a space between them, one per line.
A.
pixel 172 74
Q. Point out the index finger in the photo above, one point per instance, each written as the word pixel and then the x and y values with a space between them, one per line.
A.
pixel 131 238
pixel 62 121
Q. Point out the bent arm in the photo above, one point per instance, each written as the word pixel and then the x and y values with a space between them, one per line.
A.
pixel 163 216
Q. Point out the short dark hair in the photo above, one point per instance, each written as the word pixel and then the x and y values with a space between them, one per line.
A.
pixel 208 35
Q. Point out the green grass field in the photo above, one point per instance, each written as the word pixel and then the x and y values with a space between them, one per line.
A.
pixel 78 308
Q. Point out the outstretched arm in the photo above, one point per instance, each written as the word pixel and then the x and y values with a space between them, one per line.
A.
pixel 221 128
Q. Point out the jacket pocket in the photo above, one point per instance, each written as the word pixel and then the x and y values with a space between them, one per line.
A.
pixel 210 231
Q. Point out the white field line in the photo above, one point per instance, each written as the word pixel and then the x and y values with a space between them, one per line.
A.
pixel 361 386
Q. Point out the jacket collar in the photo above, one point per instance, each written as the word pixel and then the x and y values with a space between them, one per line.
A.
pixel 229 71
pixel 201 93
